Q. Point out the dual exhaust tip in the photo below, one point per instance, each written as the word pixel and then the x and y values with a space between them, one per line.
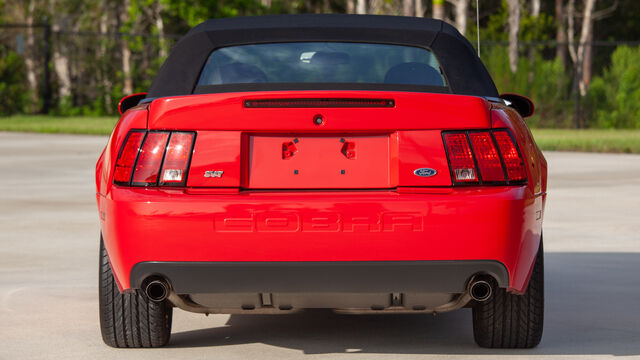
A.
pixel 480 289
pixel 157 289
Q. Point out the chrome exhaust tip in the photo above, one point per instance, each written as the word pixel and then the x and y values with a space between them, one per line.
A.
pixel 157 290
pixel 480 290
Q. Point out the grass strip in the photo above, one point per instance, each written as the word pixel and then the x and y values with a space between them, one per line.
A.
pixel 93 125
pixel 589 140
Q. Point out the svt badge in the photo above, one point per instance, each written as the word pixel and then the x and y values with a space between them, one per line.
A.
pixel 212 174
pixel 424 172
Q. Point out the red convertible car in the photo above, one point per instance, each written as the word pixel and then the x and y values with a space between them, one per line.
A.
pixel 365 164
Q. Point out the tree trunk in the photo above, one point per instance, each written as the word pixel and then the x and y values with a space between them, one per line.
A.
pixel 60 52
pixel 535 13
pixel 561 35
pixel 29 58
pixel 587 64
pixel 127 81
pixel 581 54
pixel 438 9
pixel 419 8
pixel 361 7
pixel 351 6
pixel 376 7
pixel 571 12
pixel 102 54
pixel 574 58
pixel 514 29
pixel 407 7
pixel 535 8
pixel 162 43
pixel 584 48
pixel 461 12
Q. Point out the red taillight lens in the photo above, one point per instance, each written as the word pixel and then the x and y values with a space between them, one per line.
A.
pixel 487 156
pixel 512 159
pixel 177 158
pixel 150 158
pixel 493 151
pixel 127 157
pixel 154 158
pixel 460 158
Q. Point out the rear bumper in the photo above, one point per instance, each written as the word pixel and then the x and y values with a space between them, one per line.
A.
pixel 417 238
pixel 319 277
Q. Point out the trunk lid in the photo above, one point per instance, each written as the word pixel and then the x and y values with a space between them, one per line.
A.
pixel 319 139
pixel 410 111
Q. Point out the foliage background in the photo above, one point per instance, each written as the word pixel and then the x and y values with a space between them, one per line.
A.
pixel 112 47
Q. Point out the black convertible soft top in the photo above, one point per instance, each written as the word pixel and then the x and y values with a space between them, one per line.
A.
pixel 463 69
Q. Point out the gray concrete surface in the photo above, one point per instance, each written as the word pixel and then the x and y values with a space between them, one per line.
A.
pixel 48 274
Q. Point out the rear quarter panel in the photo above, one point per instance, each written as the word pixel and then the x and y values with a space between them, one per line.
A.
pixel 134 118
pixel 503 116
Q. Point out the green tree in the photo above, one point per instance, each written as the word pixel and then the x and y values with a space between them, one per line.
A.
pixel 614 98
pixel 13 89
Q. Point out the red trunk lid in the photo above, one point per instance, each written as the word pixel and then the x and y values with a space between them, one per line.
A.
pixel 324 145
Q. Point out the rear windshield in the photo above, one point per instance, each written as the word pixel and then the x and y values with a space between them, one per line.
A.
pixel 322 62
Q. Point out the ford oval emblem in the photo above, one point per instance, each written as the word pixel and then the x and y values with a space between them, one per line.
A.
pixel 424 172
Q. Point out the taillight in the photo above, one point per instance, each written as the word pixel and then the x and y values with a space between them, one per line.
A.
pixel 487 155
pixel 127 157
pixel 460 158
pixel 512 159
pixel 154 158
pixel 150 158
pixel 484 157
pixel 176 161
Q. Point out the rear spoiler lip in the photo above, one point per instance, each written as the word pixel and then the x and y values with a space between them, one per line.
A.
pixel 491 99
pixel 147 100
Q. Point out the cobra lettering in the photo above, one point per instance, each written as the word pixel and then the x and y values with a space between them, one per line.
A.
pixel 291 221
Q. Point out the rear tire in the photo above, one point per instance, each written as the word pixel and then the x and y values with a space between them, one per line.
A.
pixel 511 321
pixel 130 320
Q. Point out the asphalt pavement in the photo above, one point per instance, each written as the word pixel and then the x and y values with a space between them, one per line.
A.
pixel 49 257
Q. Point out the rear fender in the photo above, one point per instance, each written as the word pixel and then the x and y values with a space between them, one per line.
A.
pixel 135 118
pixel 505 117
pixel 536 166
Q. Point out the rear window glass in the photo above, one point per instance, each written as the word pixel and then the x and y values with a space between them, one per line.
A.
pixel 322 62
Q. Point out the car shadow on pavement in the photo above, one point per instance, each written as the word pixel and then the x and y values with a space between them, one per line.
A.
pixel 592 307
